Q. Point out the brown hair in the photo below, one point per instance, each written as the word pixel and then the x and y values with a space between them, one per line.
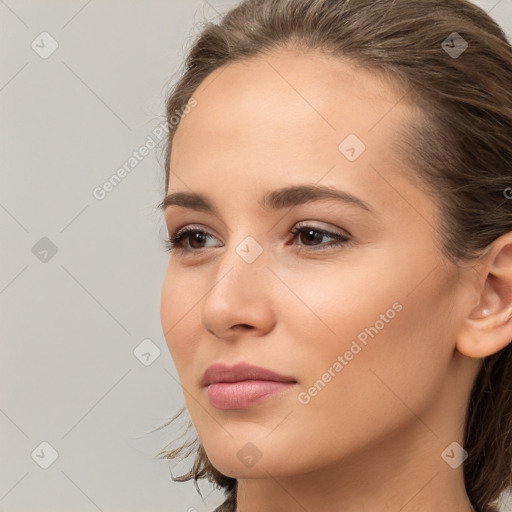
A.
pixel 461 149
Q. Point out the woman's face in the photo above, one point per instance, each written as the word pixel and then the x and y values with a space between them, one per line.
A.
pixel 366 326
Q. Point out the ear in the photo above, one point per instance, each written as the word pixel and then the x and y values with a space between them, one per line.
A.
pixel 487 327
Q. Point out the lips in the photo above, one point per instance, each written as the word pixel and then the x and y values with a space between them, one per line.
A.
pixel 221 372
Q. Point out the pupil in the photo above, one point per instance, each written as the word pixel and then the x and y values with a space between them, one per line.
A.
pixel 312 235
pixel 197 238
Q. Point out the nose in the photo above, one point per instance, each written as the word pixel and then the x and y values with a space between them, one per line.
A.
pixel 241 297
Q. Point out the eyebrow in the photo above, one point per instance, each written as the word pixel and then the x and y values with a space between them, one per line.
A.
pixel 290 196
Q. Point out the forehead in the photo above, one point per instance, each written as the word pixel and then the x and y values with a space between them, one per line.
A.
pixel 291 100
pixel 280 118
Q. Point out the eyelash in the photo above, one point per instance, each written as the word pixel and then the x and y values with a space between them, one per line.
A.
pixel 174 243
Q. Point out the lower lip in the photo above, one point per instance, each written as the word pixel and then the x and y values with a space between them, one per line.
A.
pixel 246 393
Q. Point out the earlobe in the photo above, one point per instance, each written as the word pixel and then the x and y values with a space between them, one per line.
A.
pixel 487 328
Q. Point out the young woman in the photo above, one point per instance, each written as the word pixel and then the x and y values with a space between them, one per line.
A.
pixel 338 299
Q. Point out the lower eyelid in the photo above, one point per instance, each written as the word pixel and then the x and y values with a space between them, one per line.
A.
pixel 338 240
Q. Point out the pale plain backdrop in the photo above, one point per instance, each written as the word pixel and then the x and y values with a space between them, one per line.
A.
pixel 85 370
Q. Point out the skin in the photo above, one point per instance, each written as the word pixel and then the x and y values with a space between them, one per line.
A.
pixel 372 438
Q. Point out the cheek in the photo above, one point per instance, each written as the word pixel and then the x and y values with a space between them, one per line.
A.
pixel 337 304
pixel 388 355
pixel 179 318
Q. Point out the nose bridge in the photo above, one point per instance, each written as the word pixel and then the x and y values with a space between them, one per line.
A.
pixel 241 291
pixel 243 267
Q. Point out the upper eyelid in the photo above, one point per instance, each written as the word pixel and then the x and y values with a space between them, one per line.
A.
pixel 326 205
pixel 193 227
pixel 299 225
pixel 311 224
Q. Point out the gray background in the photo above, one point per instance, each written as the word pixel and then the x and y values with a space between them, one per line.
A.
pixel 72 320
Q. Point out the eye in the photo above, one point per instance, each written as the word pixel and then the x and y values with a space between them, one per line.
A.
pixel 312 234
pixel 195 237
pixel 190 240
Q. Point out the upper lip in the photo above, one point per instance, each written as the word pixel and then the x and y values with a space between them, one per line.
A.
pixel 221 372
